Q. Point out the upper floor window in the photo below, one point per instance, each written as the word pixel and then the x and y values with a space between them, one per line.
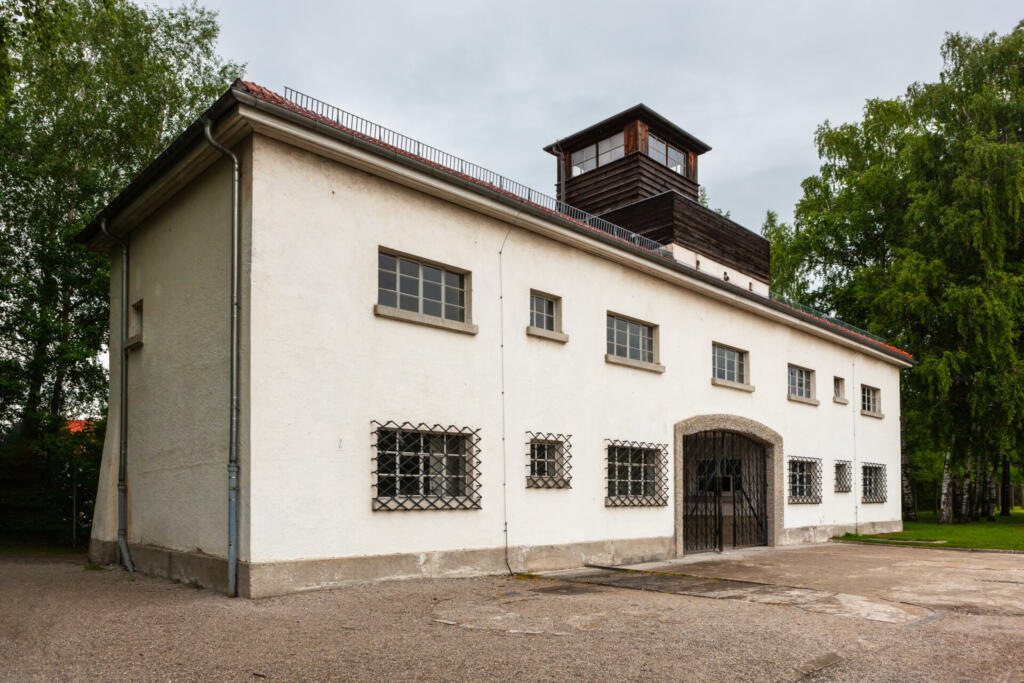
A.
pixel 666 154
pixel 411 285
pixel 839 390
pixel 728 364
pixel 869 400
pixel 630 339
pixel 542 312
pixel 801 382
pixel 604 152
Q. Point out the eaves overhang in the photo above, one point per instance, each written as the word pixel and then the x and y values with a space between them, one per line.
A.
pixel 262 100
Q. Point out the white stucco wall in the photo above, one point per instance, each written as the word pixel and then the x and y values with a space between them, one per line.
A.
pixel 177 378
pixel 323 366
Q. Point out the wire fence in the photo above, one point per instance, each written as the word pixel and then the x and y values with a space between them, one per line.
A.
pixel 824 316
pixel 434 156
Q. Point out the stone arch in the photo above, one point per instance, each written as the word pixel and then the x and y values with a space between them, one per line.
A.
pixel 749 428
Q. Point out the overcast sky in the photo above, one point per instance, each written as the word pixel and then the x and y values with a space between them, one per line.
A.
pixel 494 82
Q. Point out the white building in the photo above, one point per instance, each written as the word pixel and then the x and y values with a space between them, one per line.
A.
pixel 441 372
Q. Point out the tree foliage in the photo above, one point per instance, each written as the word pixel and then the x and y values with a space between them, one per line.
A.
pixel 91 91
pixel 914 229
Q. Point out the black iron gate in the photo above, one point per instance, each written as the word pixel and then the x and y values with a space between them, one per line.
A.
pixel 725 491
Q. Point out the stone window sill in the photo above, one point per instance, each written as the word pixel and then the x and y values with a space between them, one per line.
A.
pixel 877 416
pixel 133 342
pixel 421 319
pixel 630 363
pixel 740 386
pixel 840 401
pixel 801 399
pixel 541 333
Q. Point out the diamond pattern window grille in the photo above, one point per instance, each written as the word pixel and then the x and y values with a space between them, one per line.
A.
pixel 637 474
pixel 547 461
pixel 844 476
pixel 804 480
pixel 872 482
pixel 423 467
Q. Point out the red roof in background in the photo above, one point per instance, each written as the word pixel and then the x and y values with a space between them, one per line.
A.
pixel 268 95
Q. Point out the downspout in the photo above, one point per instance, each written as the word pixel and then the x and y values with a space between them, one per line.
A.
pixel 122 410
pixel 854 478
pixel 236 211
pixel 504 441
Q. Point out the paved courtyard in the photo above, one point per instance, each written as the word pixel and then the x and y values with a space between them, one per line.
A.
pixel 836 612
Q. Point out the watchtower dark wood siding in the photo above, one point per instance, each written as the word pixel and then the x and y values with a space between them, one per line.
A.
pixel 672 217
pixel 631 178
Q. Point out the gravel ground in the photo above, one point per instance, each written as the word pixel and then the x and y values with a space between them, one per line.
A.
pixel 61 621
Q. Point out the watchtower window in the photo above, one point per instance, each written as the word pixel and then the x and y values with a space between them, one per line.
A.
pixel 604 152
pixel 666 154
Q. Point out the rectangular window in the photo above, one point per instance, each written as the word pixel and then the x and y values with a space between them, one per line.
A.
pixel 417 287
pixel 872 483
pixel 630 339
pixel 666 155
pixel 604 152
pixel 584 160
pixel 657 149
pixel 676 160
pixel 869 402
pixel 728 364
pixel 548 461
pixel 636 474
pixel 419 467
pixel 801 382
pixel 542 312
pixel 844 477
pixel 610 149
pixel 839 389
pixel 804 480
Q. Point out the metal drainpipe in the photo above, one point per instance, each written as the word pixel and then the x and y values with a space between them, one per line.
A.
pixel 122 409
pixel 236 210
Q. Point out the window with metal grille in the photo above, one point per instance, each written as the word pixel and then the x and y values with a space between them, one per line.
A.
pixel 542 312
pixel 872 483
pixel 729 364
pixel 804 480
pixel 801 382
pixel 418 287
pixel 548 461
pixel 869 402
pixel 604 152
pixel 844 476
pixel 630 339
pixel 421 467
pixel 636 474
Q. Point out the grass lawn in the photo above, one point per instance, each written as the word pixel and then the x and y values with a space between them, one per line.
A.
pixel 1006 533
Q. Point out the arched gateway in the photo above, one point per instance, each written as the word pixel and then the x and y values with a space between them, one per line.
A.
pixel 728 483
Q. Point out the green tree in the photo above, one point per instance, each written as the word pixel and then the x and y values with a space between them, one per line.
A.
pixel 91 92
pixel 914 229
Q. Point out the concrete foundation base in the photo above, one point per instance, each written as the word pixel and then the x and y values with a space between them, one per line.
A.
pixel 266 579
pixel 822 533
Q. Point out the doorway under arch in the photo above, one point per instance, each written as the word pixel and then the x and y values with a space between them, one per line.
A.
pixel 728 483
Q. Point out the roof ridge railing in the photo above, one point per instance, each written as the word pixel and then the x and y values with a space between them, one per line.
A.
pixel 433 155
pixel 810 310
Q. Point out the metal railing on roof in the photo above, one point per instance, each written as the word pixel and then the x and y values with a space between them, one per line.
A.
pixel 450 162
pixel 824 316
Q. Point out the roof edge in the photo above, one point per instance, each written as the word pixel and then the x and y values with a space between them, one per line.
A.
pixel 698 145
